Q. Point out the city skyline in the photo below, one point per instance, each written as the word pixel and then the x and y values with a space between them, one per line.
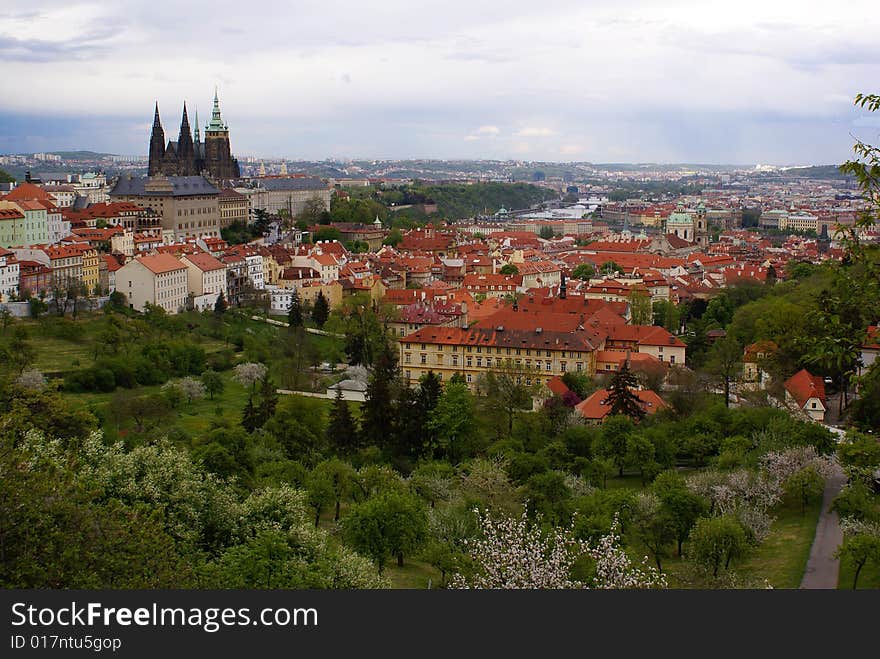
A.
pixel 613 82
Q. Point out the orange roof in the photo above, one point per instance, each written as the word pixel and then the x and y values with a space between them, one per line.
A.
pixel 161 263
pixel 596 407
pixel 205 262
pixel 760 347
pixel 649 335
pixel 11 214
pixel 28 191
pixel 803 385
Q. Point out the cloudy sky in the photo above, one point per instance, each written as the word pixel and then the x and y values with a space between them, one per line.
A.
pixel 703 81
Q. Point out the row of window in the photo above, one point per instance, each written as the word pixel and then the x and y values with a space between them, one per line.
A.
pixel 507 351
pixel 469 362
pixel 469 378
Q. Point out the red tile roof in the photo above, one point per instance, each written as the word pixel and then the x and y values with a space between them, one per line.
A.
pixel 596 407
pixel 161 263
pixel 803 385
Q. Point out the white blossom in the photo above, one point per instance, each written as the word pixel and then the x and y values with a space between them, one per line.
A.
pixel 516 554
pixel 31 379
pixel 249 373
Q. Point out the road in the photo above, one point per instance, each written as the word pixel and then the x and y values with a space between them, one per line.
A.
pixel 822 567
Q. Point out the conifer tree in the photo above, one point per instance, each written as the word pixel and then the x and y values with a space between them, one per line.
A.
pixel 342 431
pixel 295 314
pixel 379 409
pixel 321 310
pixel 250 417
pixel 621 396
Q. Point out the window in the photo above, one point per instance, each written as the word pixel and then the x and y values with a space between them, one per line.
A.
pixel 671 359
pixel 470 361
pixel 813 405
pixel 407 358
pixel 479 362
pixel 547 354
pixel 455 360
pixel 424 358
pixel 547 364
pixel 562 366
pixel 579 366
pixel 468 377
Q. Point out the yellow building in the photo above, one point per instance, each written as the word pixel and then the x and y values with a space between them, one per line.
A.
pixel 537 345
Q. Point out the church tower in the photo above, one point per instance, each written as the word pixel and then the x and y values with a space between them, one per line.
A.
pixel 186 155
pixel 701 226
pixel 157 145
pixel 218 153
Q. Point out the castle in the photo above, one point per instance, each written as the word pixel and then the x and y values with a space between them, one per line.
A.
pixel 189 156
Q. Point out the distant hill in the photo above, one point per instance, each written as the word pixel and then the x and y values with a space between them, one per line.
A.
pixel 814 171
pixel 80 155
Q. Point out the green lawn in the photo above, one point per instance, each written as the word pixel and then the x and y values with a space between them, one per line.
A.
pixel 414 574
pixel 780 560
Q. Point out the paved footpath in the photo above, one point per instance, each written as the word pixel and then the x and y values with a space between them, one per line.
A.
pixel 822 566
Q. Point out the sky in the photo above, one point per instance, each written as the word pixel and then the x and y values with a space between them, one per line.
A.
pixel 746 82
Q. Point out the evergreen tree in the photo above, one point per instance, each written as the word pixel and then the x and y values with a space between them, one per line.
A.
pixel 379 409
pixel 220 306
pixel 250 418
pixel 342 431
pixel 295 314
pixel 268 399
pixel 620 395
pixel 321 310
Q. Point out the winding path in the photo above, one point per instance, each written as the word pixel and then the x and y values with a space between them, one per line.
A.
pixel 822 567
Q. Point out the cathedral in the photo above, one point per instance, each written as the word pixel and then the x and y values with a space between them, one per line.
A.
pixel 189 156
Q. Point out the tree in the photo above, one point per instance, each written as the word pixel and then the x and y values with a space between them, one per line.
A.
pixel 342 431
pixel 295 314
pixel 515 553
pixel 213 383
pixel 250 417
pixel 805 485
pixel 612 441
pixel 391 524
pixel 321 310
pixel 509 387
pixel 640 308
pixel 453 420
pixel 546 232
pixel 378 410
pixel 6 318
pixel 716 541
pixel 509 269
pixel 327 233
pixel 394 238
pixel 621 396
pixel 866 170
pixel 858 550
pixel 681 506
pixel 725 361
pixel 610 268
pixel 584 271
pixel 313 211
pixel 220 306
pixel 249 373
pixel 652 526
pixel 268 398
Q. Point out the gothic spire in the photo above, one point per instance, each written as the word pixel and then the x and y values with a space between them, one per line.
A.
pixel 196 137
pixel 184 124
pixel 156 122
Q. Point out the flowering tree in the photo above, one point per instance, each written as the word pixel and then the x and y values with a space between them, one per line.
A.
pixel 32 379
pixel 249 374
pixel 513 553
pixel 192 388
